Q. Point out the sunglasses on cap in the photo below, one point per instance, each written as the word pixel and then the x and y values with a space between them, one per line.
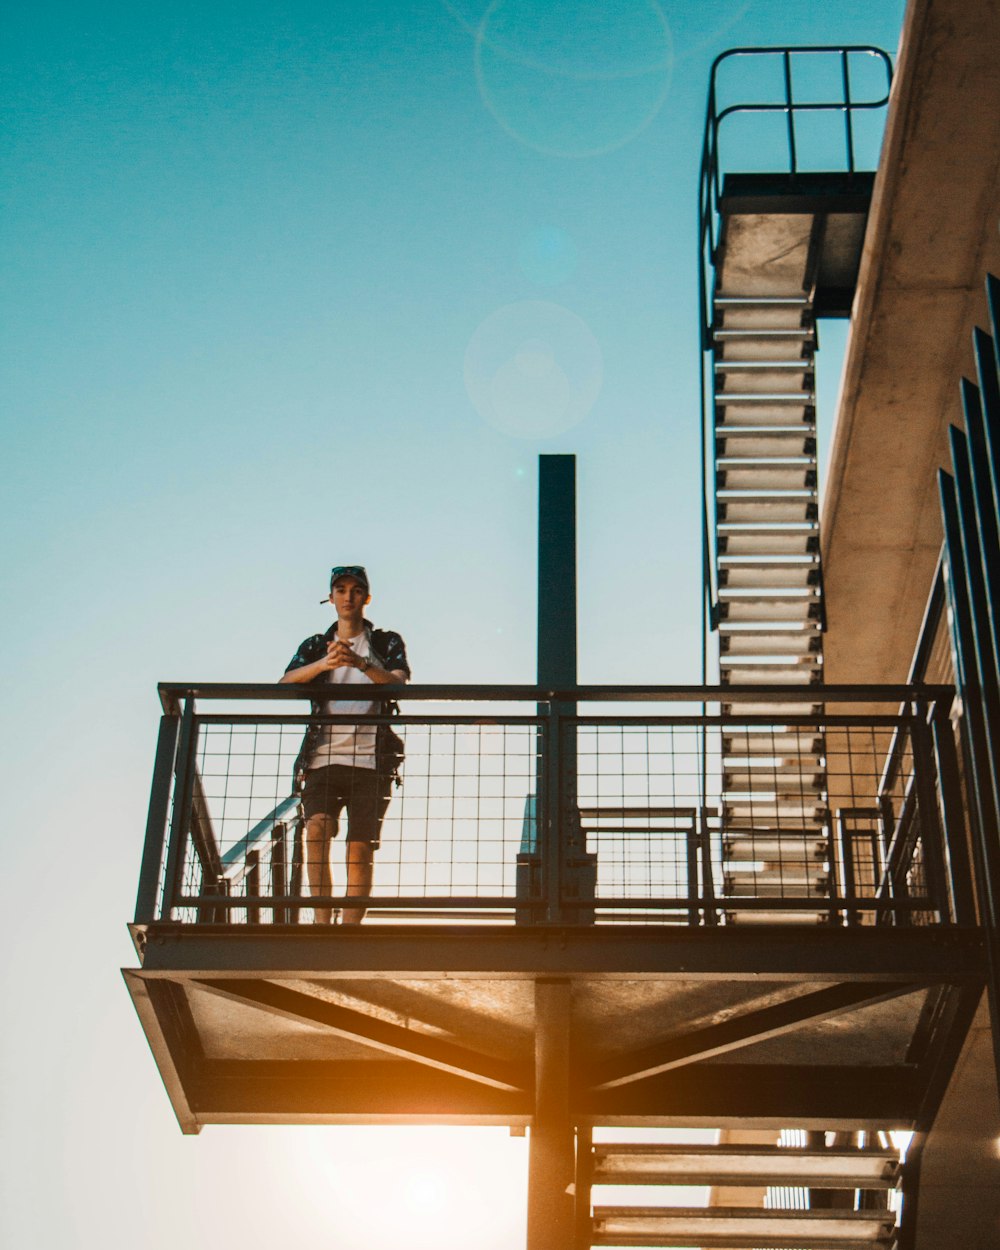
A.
pixel 357 571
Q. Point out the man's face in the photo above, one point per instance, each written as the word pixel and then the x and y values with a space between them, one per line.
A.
pixel 348 596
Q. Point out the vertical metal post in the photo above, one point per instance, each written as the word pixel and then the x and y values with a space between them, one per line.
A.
pixel 952 818
pixel 707 874
pixel 557 571
pixel 156 821
pixel 279 871
pixel 845 70
pixel 551 1155
pixel 790 114
pixel 181 819
pixel 846 840
pixel 927 811
pixel 557 666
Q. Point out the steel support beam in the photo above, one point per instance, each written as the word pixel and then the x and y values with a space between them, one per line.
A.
pixel 869 954
pixel 356 1026
pixel 744 1030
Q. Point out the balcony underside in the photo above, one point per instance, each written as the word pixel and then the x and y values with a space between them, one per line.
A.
pixel 668 1027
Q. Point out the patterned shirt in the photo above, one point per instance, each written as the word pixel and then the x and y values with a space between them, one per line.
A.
pixel 387 649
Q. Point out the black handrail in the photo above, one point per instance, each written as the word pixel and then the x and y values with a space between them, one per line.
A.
pixel 709 194
pixel 172 693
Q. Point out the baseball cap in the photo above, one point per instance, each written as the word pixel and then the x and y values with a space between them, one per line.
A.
pixel 357 571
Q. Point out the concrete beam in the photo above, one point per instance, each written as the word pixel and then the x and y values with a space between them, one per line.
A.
pixel 932 237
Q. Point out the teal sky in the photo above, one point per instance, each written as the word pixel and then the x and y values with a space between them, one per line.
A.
pixel 287 285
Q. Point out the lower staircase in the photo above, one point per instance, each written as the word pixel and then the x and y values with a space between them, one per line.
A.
pixel 816 1197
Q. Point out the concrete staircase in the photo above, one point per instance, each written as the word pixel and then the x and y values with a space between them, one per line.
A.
pixel 785 248
pixel 779 1169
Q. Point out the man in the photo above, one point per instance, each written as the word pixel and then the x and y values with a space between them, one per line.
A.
pixel 345 767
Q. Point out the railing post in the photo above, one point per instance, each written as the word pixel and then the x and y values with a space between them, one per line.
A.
pixel 692 848
pixel 848 116
pixel 707 873
pixel 253 886
pixel 952 818
pixel 927 808
pixel 850 892
pixel 181 818
pixel 792 157
pixel 156 820
pixel 552 827
pixel 279 871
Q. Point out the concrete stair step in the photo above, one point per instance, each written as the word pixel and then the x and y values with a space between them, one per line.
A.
pixel 742 1228
pixel 775 710
pixel 798 823
pixel 798 744
pixel 800 673
pixel 751 642
pixel 793 343
pixel 785 917
pixel 663 1164
pixel 756 848
pixel 781 441
pixel 796 507
pixel 787 540
pixel 762 411
pixel 779 882
pixel 755 475
pixel 789 778
pixel 779 606
pixel 739 571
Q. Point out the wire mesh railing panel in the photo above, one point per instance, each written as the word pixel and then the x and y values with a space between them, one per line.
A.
pixel 832 817
pixel 451 831
pixel 639 790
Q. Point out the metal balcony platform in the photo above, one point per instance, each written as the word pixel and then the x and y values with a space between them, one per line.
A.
pixel 321 1024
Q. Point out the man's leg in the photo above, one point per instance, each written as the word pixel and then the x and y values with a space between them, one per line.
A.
pixel 319 832
pixel 359 877
pixel 366 807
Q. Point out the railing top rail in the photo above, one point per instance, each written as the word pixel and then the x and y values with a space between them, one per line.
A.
pixel 797 49
pixel 172 693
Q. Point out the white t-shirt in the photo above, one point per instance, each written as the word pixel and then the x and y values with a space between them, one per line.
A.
pixel 353 745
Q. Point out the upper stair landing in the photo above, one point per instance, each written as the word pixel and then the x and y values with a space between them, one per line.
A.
pixel 787 235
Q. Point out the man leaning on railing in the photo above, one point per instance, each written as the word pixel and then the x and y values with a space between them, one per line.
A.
pixel 347 767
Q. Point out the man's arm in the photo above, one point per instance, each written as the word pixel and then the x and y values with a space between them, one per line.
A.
pixel 308 672
pixel 309 663
pixel 340 655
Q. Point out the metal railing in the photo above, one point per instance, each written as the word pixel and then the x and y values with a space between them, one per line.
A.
pixel 792 112
pixel 784 158
pixel 513 809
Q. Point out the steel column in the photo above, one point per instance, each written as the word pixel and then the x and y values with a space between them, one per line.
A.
pixel 552 1157
pixel 557 671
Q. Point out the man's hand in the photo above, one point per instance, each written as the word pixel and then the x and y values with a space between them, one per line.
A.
pixel 340 655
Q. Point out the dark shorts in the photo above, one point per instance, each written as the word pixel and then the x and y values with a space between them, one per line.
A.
pixel 360 791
